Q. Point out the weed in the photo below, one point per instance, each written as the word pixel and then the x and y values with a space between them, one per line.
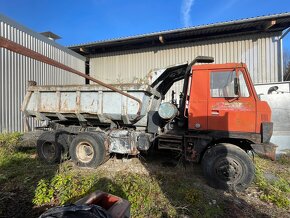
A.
pixel 9 140
pixel 61 189
pixel 66 188
pixel 43 194
pixel 276 192
pixel 163 193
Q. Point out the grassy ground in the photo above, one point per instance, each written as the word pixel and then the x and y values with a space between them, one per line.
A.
pixel 156 186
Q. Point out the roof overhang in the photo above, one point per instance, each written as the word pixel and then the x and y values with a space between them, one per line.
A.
pixel 263 24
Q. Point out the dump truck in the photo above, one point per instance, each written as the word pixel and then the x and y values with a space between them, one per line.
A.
pixel 218 121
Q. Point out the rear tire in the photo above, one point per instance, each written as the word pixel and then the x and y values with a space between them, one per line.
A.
pixel 228 167
pixel 50 147
pixel 88 150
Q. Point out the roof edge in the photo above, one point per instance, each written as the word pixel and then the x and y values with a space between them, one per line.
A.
pixel 199 27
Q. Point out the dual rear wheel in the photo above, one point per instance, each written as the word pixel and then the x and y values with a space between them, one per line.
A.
pixel 52 146
pixel 86 149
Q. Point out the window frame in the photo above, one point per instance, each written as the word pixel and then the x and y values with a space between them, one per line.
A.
pixel 237 71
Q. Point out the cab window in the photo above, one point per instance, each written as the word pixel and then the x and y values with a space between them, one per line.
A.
pixel 222 84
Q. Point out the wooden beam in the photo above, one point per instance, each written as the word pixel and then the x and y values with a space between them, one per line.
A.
pixel 84 50
pixel 269 24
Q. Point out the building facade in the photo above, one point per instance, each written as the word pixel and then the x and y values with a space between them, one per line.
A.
pixel 16 70
pixel 255 41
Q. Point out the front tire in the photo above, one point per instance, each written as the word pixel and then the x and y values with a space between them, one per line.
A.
pixel 228 167
pixel 88 150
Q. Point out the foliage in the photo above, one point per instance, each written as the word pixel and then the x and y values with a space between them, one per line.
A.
pixel 165 192
pixel 61 189
pixel 10 140
pixel 276 192
pixel 43 194
pixel 143 192
pixel 20 172
pixel 287 72
pixel 66 188
pixel 286 65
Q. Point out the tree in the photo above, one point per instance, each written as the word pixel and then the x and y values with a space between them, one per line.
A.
pixel 287 72
pixel 286 65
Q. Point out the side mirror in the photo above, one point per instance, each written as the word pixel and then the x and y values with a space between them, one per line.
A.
pixel 237 86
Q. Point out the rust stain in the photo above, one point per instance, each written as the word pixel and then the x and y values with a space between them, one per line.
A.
pixel 233 106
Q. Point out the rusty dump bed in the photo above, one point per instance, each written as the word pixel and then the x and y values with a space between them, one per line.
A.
pixel 130 105
pixel 86 102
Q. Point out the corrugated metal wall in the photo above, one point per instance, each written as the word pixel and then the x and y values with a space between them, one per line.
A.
pixel 261 53
pixel 16 70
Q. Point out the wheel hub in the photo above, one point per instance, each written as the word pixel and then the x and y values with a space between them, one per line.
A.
pixel 48 150
pixel 85 152
pixel 228 169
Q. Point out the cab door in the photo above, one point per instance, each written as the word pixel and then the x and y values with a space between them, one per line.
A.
pixel 231 104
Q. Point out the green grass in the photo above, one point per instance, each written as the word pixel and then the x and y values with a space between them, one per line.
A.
pixel 145 194
pixel 278 190
pixel 28 186
pixel 9 140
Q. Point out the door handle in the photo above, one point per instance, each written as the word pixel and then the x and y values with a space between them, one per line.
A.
pixel 215 112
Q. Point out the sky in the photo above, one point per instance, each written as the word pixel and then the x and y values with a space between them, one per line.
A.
pixel 93 20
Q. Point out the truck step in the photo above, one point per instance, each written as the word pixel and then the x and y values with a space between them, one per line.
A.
pixel 171 142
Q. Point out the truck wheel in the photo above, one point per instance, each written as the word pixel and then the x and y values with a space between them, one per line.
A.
pixel 49 147
pixel 88 150
pixel 228 167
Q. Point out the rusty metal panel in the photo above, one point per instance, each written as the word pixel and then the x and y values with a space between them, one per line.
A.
pixel 86 102
pixel 16 70
pixel 261 53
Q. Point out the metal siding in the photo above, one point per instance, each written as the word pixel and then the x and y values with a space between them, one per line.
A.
pixel 259 52
pixel 16 70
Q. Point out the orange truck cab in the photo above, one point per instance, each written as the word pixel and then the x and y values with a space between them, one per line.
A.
pixel 223 100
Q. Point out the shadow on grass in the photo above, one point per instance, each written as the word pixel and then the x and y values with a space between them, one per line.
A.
pixel 185 188
pixel 20 172
pixel 171 189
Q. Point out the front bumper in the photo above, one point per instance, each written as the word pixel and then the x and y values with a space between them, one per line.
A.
pixel 267 150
